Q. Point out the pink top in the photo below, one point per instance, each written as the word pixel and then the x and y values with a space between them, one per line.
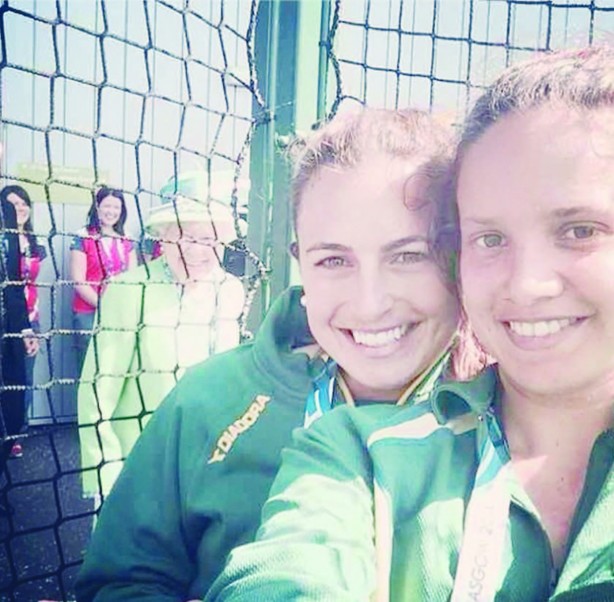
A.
pixel 29 268
pixel 105 257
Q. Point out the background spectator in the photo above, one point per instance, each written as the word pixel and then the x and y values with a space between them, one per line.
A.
pixel 98 252
pixel 31 253
pixel 13 322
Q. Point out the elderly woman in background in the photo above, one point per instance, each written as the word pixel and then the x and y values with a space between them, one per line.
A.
pixel 154 322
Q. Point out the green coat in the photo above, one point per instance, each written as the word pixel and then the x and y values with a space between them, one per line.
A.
pixel 148 332
pixel 193 487
pixel 370 505
pixel 194 484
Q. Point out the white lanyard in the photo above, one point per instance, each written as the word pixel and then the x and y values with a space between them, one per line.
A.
pixel 479 564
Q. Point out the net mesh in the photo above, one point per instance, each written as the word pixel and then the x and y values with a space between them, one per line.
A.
pixel 139 94
pixel 437 54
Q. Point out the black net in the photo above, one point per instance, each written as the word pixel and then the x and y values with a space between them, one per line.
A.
pixel 435 54
pixel 162 99
pixel 154 99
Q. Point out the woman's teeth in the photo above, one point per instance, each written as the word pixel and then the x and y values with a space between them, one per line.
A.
pixel 540 329
pixel 381 338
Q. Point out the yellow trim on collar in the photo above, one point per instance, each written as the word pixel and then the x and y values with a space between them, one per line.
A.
pixel 408 391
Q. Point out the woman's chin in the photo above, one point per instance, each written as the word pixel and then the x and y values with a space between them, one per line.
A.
pixel 184 272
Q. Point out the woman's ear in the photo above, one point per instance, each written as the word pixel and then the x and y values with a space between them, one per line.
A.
pixel 294 250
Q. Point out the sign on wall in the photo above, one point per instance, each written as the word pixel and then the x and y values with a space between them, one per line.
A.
pixel 67 185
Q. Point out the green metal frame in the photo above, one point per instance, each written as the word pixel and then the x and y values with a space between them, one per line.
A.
pixel 292 80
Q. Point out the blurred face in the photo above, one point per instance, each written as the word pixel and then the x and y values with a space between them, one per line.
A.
pixel 376 302
pixel 109 211
pixel 21 209
pixel 536 204
pixel 190 253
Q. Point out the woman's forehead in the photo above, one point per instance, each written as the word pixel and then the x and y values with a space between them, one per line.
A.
pixel 191 228
pixel 575 130
pixel 110 199
pixel 551 158
pixel 14 198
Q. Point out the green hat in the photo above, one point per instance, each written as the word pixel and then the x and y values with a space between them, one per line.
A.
pixel 192 199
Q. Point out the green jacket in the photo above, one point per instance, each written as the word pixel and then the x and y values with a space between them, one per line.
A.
pixel 195 482
pixel 370 505
pixel 147 334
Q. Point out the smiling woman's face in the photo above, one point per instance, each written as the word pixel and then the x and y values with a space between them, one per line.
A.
pixel 22 209
pixel 191 252
pixel 376 301
pixel 536 204
pixel 109 211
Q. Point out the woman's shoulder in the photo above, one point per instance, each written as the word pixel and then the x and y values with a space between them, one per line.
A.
pixel 231 376
pixel 81 239
pixel 127 242
pixel 229 284
pixel 140 274
pixel 85 232
pixel 452 407
pixel 38 248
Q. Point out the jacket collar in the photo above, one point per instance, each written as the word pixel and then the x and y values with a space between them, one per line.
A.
pixel 283 330
pixel 453 398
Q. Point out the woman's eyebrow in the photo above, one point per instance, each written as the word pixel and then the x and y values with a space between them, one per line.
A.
pixel 391 246
pixel 578 210
pixel 326 246
pixel 477 221
pixel 402 242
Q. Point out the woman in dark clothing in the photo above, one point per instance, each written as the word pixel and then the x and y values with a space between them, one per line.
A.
pixel 13 323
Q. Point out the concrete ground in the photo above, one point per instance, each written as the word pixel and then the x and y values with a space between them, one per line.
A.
pixel 43 540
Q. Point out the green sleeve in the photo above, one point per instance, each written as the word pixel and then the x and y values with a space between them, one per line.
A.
pixel 138 550
pixel 316 537
pixel 108 361
pixel 229 305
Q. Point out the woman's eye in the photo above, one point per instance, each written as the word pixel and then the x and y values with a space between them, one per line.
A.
pixel 489 241
pixel 331 262
pixel 406 257
pixel 580 232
